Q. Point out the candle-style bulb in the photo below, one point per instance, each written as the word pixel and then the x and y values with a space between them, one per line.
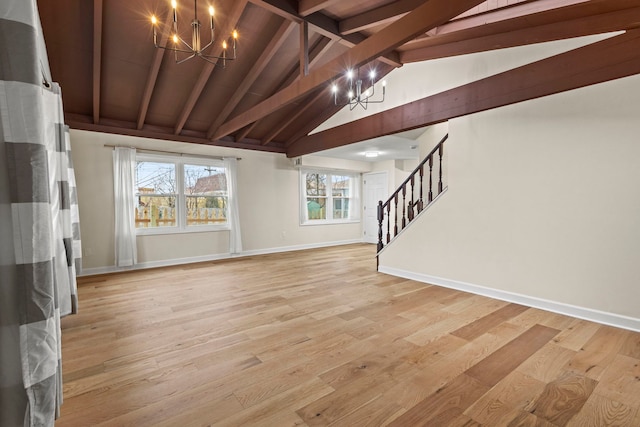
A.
pixel 175 38
pixel 235 34
pixel 211 10
pixel 154 20
pixel 224 45
pixel 174 4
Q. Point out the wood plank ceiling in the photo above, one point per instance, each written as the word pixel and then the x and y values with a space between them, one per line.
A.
pixel 114 80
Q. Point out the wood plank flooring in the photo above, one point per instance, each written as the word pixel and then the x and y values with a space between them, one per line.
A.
pixel 319 338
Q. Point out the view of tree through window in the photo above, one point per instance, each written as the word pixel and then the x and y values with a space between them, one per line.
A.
pixel 156 194
pixel 176 194
pixel 317 195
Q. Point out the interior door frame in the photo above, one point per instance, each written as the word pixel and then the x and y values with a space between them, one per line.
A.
pixel 364 192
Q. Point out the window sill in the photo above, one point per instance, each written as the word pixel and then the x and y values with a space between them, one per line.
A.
pixel 176 230
pixel 330 222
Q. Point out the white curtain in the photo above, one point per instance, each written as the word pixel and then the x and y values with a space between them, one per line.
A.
pixel 124 165
pixel 354 202
pixel 304 209
pixel 235 236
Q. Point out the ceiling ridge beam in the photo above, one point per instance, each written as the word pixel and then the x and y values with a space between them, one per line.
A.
pixel 259 65
pixel 152 78
pixel 229 26
pixel 307 7
pixel 421 19
pixel 97 58
pixel 322 24
pixel 602 61
pixel 377 16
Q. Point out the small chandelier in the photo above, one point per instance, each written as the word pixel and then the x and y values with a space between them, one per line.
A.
pixel 354 95
pixel 195 48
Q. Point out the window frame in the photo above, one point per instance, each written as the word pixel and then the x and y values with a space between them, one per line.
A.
pixel 329 205
pixel 181 226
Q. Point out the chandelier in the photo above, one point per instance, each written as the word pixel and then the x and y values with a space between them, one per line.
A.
pixel 354 95
pixel 195 49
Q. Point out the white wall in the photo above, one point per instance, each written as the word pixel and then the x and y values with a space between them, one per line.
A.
pixel 421 79
pixel 543 202
pixel 269 205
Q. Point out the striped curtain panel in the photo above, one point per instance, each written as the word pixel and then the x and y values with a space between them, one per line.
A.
pixel 39 228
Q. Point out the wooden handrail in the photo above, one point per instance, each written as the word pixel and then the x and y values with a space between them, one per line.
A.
pixel 408 213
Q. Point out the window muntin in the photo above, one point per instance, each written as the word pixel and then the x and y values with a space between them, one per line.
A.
pixel 329 197
pixel 175 194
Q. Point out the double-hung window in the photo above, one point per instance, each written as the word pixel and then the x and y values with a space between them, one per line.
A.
pixel 176 194
pixel 329 197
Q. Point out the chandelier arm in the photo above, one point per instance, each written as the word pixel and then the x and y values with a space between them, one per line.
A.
pixel 173 49
pixel 230 58
pixel 184 59
pixel 207 46
pixel 184 42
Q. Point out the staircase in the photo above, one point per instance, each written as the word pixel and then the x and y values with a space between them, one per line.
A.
pixel 407 201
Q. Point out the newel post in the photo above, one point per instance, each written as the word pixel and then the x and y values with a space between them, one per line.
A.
pixel 380 219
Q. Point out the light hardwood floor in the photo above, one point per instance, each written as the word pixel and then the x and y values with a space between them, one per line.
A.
pixel 318 337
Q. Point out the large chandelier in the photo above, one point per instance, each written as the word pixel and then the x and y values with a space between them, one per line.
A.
pixel 354 94
pixel 195 49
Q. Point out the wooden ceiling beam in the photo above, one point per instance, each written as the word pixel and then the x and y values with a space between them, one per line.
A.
pixel 516 17
pixel 304 48
pixel 119 127
pixel 299 111
pixel 227 28
pixel 307 7
pixel 609 59
pixel 322 24
pixel 153 73
pixel 317 51
pixel 596 24
pixel 97 58
pixel 378 16
pixel 421 19
pixel 259 65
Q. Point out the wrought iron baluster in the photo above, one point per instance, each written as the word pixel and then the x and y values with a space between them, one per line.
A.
pixel 420 201
pixel 395 216
pixel 430 178
pixel 380 218
pixel 388 222
pixel 404 206
pixel 440 171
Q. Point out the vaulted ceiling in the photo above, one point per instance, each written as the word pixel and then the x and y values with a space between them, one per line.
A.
pixel 277 90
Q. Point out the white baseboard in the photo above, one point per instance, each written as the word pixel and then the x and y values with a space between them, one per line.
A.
pixel 213 257
pixel 597 316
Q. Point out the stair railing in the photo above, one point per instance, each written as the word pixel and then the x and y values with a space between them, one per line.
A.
pixel 408 210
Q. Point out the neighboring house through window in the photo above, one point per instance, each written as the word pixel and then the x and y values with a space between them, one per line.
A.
pixel 176 194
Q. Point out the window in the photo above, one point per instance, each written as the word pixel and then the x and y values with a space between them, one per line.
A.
pixel 329 197
pixel 175 194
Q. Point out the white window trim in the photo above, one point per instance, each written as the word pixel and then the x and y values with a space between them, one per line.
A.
pixel 302 194
pixel 181 227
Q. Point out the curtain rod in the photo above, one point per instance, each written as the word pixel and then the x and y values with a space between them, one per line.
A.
pixel 149 150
